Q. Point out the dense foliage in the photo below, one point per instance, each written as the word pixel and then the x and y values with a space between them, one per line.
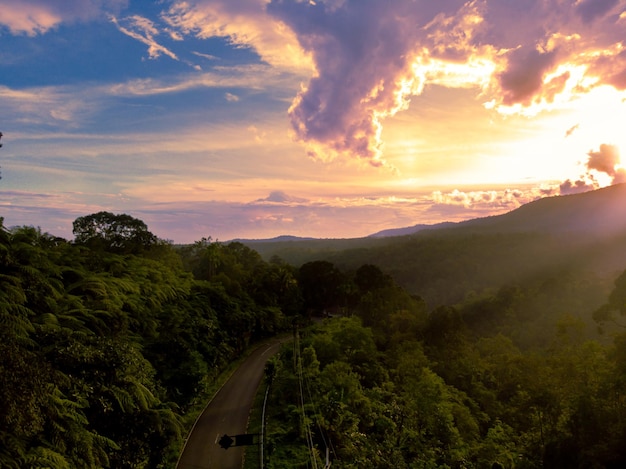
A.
pixel 493 358
pixel 391 384
pixel 106 341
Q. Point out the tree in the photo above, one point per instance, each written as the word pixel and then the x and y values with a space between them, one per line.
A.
pixel 320 282
pixel 369 277
pixel 116 233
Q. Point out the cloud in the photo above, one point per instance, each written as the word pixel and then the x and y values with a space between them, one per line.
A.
pixel 364 60
pixel 205 56
pixel 524 76
pixel 361 54
pixel 507 199
pixel 571 130
pixel 244 23
pixel 45 105
pixel 143 30
pixel 34 17
pixel 255 76
pixel 188 221
pixel 371 57
pixel 605 161
pixel 281 197
pixel 576 187
pixel 611 65
pixel 590 10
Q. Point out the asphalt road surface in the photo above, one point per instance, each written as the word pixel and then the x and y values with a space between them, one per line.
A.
pixel 227 413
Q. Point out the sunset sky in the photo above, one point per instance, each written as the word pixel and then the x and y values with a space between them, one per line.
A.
pixel 325 118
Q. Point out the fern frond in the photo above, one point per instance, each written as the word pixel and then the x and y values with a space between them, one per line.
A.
pixel 40 458
pixel 12 450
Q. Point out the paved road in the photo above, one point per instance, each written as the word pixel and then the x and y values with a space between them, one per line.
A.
pixel 227 413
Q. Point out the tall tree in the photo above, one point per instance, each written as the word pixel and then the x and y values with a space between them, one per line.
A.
pixel 117 233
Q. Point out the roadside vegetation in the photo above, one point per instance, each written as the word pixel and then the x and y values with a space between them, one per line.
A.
pixel 111 343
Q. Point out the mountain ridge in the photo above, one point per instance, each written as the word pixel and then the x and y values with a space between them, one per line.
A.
pixel 584 212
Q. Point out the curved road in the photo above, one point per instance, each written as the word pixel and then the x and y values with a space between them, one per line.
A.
pixel 227 413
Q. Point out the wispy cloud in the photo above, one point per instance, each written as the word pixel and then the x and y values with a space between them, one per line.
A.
pixel 34 17
pixel 76 106
pixel 205 56
pixel 256 77
pixel 245 23
pixel 143 30
pixel 51 105
pixel 231 98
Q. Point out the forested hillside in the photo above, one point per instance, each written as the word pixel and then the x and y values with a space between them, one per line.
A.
pixel 394 384
pixel 579 236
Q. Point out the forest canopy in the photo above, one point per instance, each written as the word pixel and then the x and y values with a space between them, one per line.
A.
pixel 109 341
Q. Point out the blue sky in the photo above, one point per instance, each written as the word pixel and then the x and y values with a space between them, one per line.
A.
pixel 335 118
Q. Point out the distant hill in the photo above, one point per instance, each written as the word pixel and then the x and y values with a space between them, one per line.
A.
pixel 601 212
pixel 582 235
pixel 277 239
pixel 410 230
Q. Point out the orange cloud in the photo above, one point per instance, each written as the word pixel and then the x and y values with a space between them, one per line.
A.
pixel 370 58
pixel 244 23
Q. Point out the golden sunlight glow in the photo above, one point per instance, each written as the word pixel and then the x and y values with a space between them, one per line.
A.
pixel 475 72
pixel 563 139
pixel 445 139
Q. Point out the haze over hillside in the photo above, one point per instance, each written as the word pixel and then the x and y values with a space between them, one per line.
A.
pixel 582 232
pixel 601 212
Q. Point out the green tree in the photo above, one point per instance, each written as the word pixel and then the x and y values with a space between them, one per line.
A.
pixel 110 232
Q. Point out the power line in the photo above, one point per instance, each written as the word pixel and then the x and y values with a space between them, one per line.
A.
pixel 317 421
pixel 307 430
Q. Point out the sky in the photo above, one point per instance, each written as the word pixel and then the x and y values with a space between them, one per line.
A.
pixel 325 118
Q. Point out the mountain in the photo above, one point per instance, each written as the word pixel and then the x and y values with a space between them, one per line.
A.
pixel 601 212
pixel 581 235
pixel 410 230
pixel 277 239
